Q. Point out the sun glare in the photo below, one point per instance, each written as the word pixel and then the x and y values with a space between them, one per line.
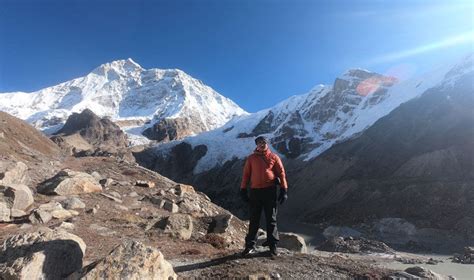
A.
pixel 464 38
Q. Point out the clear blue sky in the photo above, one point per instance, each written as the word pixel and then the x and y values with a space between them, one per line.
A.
pixel 255 52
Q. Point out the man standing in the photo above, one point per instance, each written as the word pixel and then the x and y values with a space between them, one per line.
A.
pixel 262 168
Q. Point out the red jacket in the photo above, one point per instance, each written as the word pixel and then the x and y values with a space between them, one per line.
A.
pixel 263 172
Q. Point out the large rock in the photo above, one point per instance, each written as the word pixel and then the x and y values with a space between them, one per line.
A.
pixel 45 212
pixel 44 254
pixel 292 242
pixel 425 273
pixel 177 225
pixel 131 260
pixel 13 173
pixel 15 199
pixel 467 257
pixel 4 209
pixel 68 182
pixel 20 195
pixel 39 216
pixel 221 223
pixel 73 203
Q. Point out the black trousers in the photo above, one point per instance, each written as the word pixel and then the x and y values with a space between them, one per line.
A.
pixel 262 199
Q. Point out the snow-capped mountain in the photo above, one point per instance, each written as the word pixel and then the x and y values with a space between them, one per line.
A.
pixel 306 125
pixel 129 94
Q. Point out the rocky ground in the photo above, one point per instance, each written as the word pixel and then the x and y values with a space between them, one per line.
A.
pixel 97 217
pixel 129 207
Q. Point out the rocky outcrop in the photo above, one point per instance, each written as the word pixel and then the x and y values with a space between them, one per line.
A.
pixel 85 134
pixel 46 212
pixel 68 182
pixel 131 260
pixel 169 129
pixel 13 173
pixel 20 196
pixel 41 255
pixel 466 257
pixel 177 225
pixel 424 273
pixel 354 245
pixel 15 197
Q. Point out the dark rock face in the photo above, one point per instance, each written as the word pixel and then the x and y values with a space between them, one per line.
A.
pixel 293 130
pixel 169 129
pixel 103 136
pixel 416 163
pixel 97 131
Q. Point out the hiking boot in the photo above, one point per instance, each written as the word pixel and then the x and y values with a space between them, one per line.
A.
pixel 273 250
pixel 266 243
pixel 247 252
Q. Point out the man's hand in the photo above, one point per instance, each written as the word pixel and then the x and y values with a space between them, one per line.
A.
pixel 244 195
pixel 283 196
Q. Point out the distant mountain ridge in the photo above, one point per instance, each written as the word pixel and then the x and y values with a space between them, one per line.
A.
pixel 304 126
pixel 125 92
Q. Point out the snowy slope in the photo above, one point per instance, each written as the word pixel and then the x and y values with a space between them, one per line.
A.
pixel 318 119
pixel 124 91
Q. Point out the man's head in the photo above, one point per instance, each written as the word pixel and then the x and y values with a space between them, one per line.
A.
pixel 262 143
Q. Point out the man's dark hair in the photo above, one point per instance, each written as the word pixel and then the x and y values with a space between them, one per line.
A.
pixel 260 139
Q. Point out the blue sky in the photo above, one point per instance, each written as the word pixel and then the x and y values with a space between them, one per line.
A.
pixel 255 52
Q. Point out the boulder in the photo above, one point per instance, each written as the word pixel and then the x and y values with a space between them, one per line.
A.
pixel 4 209
pixel 177 225
pixel 132 260
pixel 170 206
pixel 46 212
pixel 220 223
pixel 13 173
pixel 68 182
pixel 39 216
pixel 73 203
pixel 292 242
pixel 466 258
pixel 20 195
pixel 424 273
pixel 16 213
pixel 41 255
pixel 189 206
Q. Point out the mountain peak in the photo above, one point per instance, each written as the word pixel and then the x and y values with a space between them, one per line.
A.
pixel 357 73
pixel 123 66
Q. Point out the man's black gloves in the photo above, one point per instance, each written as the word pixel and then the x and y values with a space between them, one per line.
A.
pixel 283 196
pixel 244 195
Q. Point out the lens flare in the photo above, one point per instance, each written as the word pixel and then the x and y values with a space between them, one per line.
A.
pixel 463 38
pixel 371 85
